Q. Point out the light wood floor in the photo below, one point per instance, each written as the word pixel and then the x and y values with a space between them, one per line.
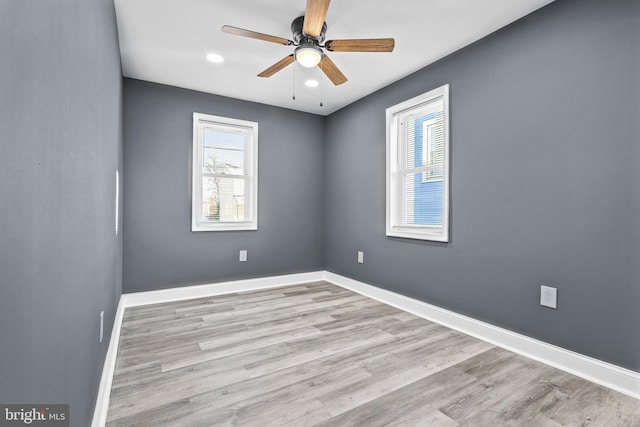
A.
pixel 317 354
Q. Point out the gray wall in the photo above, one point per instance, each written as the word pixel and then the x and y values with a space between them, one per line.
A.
pixel 545 161
pixel 60 144
pixel 159 248
pixel 635 231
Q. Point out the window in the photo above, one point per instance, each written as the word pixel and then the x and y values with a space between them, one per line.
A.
pixel 418 167
pixel 225 174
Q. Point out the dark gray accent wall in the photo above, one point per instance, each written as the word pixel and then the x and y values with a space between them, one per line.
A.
pixel 635 232
pixel 544 128
pixel 160 250
pixel 60 144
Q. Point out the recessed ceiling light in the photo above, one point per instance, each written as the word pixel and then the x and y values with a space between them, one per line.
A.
pixel 215 58
pixel 311 83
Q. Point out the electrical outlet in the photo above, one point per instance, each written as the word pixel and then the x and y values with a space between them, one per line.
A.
pixel 101 326
pixel 548 296
pixel 361 257
pixel 243 256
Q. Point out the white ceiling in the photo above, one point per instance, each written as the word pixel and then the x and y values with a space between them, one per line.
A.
pixel 166 41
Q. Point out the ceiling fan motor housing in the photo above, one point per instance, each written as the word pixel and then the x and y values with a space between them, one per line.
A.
pixel 300 38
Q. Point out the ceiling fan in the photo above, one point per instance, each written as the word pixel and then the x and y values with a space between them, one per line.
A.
pixel 309 33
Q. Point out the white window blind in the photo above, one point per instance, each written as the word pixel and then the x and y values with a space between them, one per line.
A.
pixel 417 167
pixel 224 195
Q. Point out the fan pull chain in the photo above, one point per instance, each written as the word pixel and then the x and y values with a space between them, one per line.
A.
pixel 294 82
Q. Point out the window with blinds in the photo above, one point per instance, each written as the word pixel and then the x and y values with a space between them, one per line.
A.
pixel 225 171
pixel 418 167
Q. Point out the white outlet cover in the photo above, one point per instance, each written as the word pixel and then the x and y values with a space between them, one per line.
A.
pixel 243 256
pixel 548 296
pixel 360 257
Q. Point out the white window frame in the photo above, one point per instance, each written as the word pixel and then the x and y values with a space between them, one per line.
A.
pixel 200 121
pixel 394 176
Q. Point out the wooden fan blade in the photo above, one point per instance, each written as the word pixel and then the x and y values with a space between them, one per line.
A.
pixel 314 16
pixel 254 35
pixel 361 45
pixel 332 71
pixel 287 60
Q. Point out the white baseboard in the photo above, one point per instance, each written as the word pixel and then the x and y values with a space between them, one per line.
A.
pixel 597 371
pixel 102 401
pixel 199 291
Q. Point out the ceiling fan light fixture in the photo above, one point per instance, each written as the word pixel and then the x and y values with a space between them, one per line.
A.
pixel 308 55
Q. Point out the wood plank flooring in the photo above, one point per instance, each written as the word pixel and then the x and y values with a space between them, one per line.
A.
pixel 317 354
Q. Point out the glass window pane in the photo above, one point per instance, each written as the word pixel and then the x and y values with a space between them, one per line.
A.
pixel 223 152
pixel 223 199
pixel 425 136
pixel 433 141
pixel 412 145
pixel 433 175
pixel 423 201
